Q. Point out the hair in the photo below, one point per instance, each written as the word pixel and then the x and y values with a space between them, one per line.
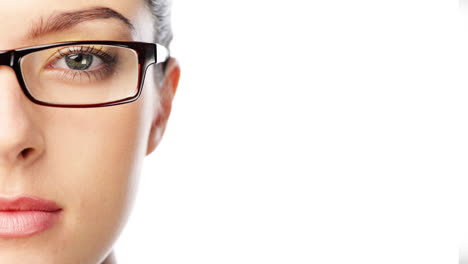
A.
pixel 161 11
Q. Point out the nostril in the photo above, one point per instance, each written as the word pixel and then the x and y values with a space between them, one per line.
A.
pixel 26 152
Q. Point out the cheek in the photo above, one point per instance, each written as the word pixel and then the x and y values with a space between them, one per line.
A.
pixel 93 158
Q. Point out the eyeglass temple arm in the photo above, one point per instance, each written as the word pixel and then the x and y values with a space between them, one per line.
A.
pixel 162 53
pixel 162 56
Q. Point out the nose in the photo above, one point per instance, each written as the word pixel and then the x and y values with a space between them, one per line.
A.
pixel 20 138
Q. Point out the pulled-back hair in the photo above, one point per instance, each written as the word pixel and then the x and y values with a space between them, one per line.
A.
pixel 161 11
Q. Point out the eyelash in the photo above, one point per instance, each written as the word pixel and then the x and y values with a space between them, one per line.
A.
pixel 108 60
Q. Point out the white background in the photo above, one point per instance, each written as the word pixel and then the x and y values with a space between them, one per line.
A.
pixel 305 131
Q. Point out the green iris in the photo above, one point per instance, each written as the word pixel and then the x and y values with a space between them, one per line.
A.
pixel 79 62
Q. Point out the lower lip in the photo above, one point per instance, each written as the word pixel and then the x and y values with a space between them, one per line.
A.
pixel 26 223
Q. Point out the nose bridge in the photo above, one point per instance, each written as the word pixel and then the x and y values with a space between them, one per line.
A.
pixel 16 129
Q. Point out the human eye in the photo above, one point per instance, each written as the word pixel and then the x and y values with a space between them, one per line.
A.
pixel 89 63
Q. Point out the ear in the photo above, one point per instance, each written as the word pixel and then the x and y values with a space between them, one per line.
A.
pixel 167 92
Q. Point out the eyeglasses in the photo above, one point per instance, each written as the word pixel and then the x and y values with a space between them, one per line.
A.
pixel 82 74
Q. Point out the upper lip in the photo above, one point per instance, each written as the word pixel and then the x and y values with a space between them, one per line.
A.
pixel 27 203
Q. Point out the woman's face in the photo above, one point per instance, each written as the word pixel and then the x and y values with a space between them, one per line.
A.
pixel 87 160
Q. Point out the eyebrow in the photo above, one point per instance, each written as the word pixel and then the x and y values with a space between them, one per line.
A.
pixel 66 20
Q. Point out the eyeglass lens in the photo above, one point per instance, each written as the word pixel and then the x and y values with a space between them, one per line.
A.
pixel 81 74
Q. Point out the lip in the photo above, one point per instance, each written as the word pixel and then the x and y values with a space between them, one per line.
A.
pixel 27 215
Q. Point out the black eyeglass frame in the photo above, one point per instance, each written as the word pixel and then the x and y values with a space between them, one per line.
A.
pixel 147 55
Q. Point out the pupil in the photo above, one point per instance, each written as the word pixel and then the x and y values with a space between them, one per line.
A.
pixel 79 61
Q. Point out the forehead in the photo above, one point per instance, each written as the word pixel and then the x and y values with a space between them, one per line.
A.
pixel 25 16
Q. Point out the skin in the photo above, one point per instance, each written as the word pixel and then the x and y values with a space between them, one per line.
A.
pixel 87 160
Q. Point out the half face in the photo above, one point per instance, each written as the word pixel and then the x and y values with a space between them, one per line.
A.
pixel 87 160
